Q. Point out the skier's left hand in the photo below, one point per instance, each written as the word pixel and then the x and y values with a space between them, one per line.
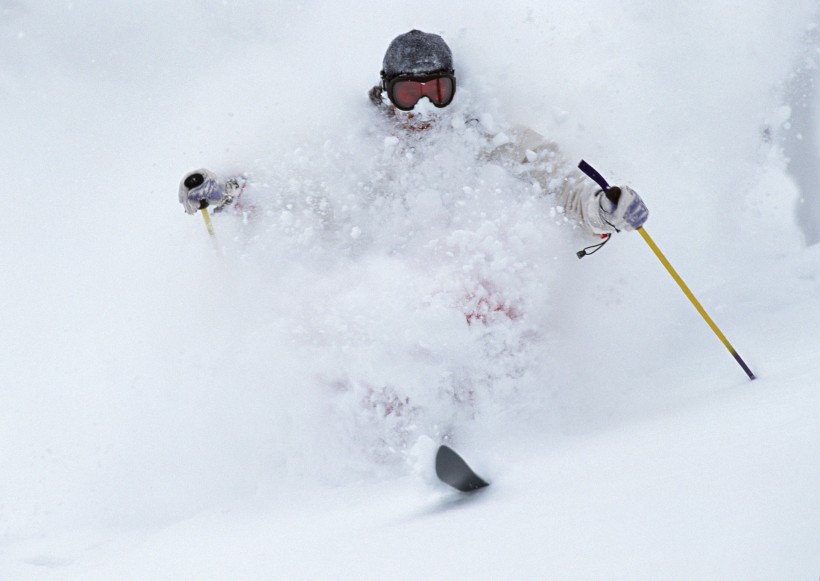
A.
pixel 200 189
pixel 622 208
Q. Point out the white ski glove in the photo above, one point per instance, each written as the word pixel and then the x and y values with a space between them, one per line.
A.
pixel 202 188
pixel 622 208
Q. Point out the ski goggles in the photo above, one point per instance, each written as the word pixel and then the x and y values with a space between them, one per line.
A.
pixel 404 91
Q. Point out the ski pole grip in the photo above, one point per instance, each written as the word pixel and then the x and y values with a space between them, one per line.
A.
pixel 593 173
pixel 613 194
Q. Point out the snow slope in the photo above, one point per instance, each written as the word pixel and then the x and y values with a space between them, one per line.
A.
pixel 270 408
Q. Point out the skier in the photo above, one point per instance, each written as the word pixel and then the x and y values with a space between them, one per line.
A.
pixel 417 117
pixel 417 71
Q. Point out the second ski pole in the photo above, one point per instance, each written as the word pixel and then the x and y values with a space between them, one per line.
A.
pixel 207 220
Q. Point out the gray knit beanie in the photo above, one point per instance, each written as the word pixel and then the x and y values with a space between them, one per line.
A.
pixel 417 53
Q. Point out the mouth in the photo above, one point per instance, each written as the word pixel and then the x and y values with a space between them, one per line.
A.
pixel 414 121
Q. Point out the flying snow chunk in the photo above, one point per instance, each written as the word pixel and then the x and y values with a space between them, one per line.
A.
pixel 500 139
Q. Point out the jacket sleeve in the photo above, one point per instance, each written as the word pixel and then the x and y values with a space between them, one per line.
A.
pixel 541 160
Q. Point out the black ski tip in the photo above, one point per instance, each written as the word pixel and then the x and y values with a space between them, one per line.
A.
pixel 453 470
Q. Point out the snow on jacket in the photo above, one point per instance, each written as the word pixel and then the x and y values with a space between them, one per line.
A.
pixel 576 195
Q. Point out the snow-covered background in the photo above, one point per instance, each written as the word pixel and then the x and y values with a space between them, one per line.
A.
pixel 269 410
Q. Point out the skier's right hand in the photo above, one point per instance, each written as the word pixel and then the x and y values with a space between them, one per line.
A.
pixel 622 208
pixel 200 189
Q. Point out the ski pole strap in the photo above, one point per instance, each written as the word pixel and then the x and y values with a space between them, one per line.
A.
pixel 612 194
pixel 599 179
pixel 593 173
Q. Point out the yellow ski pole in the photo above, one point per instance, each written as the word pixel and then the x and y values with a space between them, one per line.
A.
pixel 203 208
pixel 592 173
pixel 695 302
pixel 208 224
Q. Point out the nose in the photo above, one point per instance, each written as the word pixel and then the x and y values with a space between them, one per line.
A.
pixel 194 180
